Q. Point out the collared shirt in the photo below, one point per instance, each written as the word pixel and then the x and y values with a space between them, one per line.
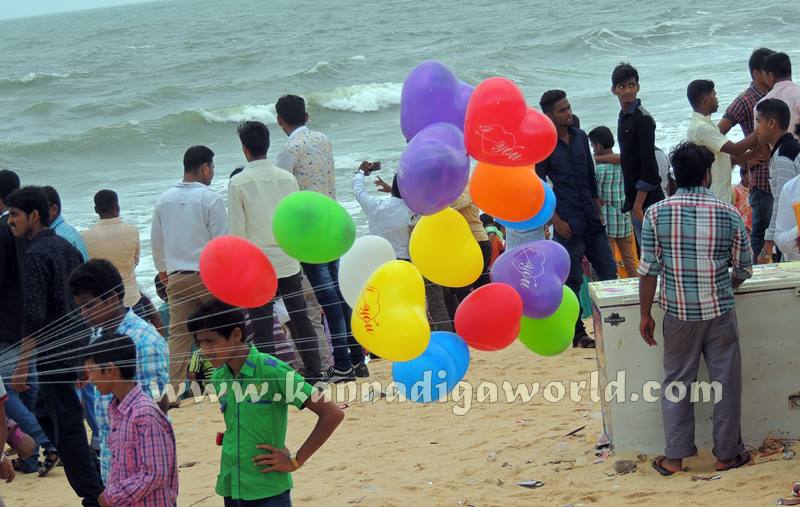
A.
pixel 117 242
pixel 144 471
pixel 691 239
pixel 742 112
pixel 388 217
pixel 253 195
pixel 611 190
pixel 705 132
pixel 784 164
pixel 571 169
pixel 49 305
pixel 152 366
pixel 186 217
pixel 3 394
pixel 10 285
pixel 786 223
pixel 789 92
pixel 71 234
pixel 741 199
pixel 471 214
pixel 309 156
pixel 636 133
pixel 260 418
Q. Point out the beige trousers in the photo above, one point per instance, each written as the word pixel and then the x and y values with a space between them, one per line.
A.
pixel 185 293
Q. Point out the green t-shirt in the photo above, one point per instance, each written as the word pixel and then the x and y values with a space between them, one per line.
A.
pixel 265 387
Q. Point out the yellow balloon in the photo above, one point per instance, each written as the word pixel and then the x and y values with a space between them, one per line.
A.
pixel 389 318
pixel 443 248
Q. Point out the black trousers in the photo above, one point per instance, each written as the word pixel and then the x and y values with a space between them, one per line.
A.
pixel 454 296
pixel 305 338
pixel 63 408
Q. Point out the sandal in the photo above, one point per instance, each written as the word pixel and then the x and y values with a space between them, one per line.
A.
pixel 583 342
pixel 51 460
pixel 741 460
pixel 657 465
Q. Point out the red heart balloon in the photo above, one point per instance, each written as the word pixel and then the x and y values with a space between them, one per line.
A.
pixel 503 303
pixel 501 129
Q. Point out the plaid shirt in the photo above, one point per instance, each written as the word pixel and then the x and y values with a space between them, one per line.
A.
pixel 71 234
pixel 611 190
pixel 144 473
pixel 152 365
pixel 691 239
pixel 742 112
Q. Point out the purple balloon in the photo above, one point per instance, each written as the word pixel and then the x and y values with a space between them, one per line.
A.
pixel 537 271
pixel 434 169
pixel 432 94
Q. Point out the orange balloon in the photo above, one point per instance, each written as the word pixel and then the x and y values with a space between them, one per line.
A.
pixel 509 193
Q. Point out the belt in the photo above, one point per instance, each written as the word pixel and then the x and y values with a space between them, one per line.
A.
pixel 182 272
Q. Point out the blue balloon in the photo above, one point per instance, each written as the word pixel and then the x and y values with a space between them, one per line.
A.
pixel 458 350
pixel 426 378
pixel 538 219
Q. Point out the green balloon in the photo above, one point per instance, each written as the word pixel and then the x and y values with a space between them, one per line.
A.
pixel 313 228
pixel 552 335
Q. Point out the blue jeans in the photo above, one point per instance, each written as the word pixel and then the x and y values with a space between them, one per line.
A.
pixel 324 278
pixel 761 203
pixel 21 407
pixel 282 500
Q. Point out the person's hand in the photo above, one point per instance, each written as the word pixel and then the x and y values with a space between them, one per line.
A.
pixel 562 228
pixel 764 258
pixel 383 186
pixel 7 469
pixel 647 327
pixel 102 500
pixel 162 275
pixel 19 381
pixel 637 214
pixel 276 461
pixel 365 168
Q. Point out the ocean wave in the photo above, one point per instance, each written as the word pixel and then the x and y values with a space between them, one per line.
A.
pixel 363 98
pixel 34 77
pixel 357 58
pixel 263 113
pixel 317 67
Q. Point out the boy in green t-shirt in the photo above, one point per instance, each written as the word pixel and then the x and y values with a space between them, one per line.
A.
pixel 255 390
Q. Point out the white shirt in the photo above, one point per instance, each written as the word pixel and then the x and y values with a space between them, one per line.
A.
pixel 786 223
pixel 663 170
pixel 117 242
pixel 253 195
pixel 388 217
pixel 309 156
pixel 186 217
pixel 705 132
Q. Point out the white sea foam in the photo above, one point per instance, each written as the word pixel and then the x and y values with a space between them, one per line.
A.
pixel 34 76
pixel 363 98
pixel 263 113
pixel 316 67
pixel 357 58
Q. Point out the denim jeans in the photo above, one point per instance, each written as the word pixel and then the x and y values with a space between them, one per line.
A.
pixel 282 500
pixel 761 203
pixel 324 278
pixel 21 407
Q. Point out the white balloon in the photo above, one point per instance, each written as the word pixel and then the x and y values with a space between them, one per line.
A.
pixel 367 254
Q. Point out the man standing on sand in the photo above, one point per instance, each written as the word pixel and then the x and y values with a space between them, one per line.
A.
pixel 577 221
pixel 53 335
pixel 742 112
pixel 636 131
pixel 690 240
pixel 703 99
pixel 309 156
pixel 186 217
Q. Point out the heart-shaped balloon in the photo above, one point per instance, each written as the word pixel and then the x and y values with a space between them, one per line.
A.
pixel 501 129
pixel 389 318
pixel 508 193
pixel 537 271
pixel 434 169
pixel 539 219
pixel 432 94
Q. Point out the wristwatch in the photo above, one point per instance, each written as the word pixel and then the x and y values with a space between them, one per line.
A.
pixel 293 459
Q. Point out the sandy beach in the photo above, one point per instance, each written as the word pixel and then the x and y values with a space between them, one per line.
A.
pixel 393 454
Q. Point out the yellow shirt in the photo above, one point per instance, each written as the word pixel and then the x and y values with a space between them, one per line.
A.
pixel 705 132
pixel 117 242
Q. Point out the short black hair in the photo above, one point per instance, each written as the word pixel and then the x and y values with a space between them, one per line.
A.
pixel 623 72
pixel 161 290
pixel 30 199
pixel 114 348
pixel 292 109
pixel 602 135
pixel 396 188
pixel 691 162
pixel 236 171
pixel 756 61
pixel 97 278
pixel 487 219
pixel 105 201
pixel 53 197
pixel 254 136
pixel 195 157
pixel 9 181
pixel 549 99
pixel 778 64
pixel 698 89
pixel 775 109
pixel 217 316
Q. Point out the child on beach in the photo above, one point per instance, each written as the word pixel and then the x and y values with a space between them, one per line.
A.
pixel 256 464
pixel 741 198
pixel 143 469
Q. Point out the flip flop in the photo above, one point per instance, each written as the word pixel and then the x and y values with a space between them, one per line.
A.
pixel 660 469
pixel 741 460
pixel 583 342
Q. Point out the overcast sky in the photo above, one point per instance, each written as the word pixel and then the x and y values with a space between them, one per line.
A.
pixel 22 8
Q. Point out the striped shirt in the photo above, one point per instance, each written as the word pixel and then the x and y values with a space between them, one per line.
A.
pixel 611 190
pixel 784 164
pixel 144 471
pixel 152 365
pixel 691 239
pixel 519 237
pixel 71 234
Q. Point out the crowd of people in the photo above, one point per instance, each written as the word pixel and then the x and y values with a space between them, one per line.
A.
pixel 79 340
